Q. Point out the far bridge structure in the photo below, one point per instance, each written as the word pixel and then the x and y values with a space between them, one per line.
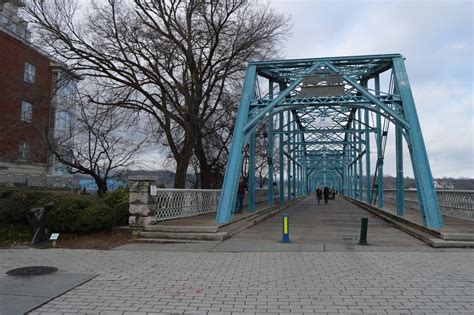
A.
pixel 324 116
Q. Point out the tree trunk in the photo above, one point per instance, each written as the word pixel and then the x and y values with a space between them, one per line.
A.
pixel 206 175
pixel 101 186
pixel 207 180
pixel 182 164
pixel 182 161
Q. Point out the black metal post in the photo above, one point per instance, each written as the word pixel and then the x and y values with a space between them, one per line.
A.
pixel 363 231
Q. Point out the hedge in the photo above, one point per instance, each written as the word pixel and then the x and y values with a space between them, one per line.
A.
pixel 73 213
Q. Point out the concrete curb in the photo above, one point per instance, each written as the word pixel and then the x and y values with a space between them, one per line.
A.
pixel 184 234
pixel 431 237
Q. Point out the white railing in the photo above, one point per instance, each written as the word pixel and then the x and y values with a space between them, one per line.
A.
pixel 453 203
pixel 181 203
pixel 28 180
pixel 15 25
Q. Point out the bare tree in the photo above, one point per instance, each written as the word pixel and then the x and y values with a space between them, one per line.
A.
pixel 173 59
pixel 96 140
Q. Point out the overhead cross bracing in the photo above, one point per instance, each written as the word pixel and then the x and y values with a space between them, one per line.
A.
pixel 323 115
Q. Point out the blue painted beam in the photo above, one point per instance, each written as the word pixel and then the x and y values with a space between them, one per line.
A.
pixel 359 116
pixel 368 185
pixel 254 120
pixel 288 159
pixel 398 119
pixel 419 158
pixel 251 175
pixel 270 152
pixel 305 61
pixel 399 168
pixel 331 131
pixel 228 197
pixel 282 158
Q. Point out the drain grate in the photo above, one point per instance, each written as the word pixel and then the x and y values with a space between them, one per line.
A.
pixel 347 237
pixel 31 271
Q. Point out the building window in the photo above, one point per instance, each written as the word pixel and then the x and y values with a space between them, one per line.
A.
pixel 24 151
pixel 26 111
pixel 30 73
pixel 62 124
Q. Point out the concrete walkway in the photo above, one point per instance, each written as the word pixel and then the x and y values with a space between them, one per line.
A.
pixel 322 271
pixel 331 227
pixel 450 224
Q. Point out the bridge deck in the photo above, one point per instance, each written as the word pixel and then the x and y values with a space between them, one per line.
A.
pixel 331 227
pixel 451 225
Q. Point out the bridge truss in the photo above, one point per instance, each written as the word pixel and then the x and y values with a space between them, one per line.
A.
pixel 323 115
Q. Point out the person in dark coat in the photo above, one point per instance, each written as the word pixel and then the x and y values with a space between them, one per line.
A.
pixel 240 195
pixel 319 194
pixel 326 195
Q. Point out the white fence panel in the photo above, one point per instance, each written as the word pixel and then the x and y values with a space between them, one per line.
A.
pixel 453 203
pixel 181 203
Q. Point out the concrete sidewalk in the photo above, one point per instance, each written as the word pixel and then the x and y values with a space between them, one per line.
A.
pixel 322 271
pixel 153 282
pixel 331 227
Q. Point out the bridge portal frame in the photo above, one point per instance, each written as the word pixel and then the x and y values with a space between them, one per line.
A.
pixel 312 152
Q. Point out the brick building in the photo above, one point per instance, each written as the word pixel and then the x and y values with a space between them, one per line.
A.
pixel 27 114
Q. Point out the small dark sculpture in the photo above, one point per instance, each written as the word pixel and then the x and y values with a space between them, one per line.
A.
pixel 40 224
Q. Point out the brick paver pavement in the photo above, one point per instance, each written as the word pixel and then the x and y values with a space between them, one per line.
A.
pixel 151 282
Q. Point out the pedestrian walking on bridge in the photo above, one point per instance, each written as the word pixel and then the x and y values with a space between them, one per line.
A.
pixel 326 195
pixel 240 195
pixel 319 194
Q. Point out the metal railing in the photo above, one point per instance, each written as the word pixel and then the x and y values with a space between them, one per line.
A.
pixel 453 203
pixel 181 203
pixel 15 25
pixel 28 180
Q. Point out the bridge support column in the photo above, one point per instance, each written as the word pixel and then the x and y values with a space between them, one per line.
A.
pixel 234 164
pixel 289 161
pixel 379 151
pixel 359 139
pixel 368 187
pixel 270 150
pixel 399 166
pixel 419 158
pixel 282 158
pixel 251 175
pixel 293 156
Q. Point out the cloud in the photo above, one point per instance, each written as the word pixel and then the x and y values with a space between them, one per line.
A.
pixel 435 37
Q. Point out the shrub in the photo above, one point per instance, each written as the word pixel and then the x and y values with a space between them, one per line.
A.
pixel 65 217
pixel 15 204
pixel 73 213
pixel 96 217
pixel 117 200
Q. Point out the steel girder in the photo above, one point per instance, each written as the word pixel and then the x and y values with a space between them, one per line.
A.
pixel 324 112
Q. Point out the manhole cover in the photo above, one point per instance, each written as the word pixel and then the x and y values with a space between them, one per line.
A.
pixel 31 271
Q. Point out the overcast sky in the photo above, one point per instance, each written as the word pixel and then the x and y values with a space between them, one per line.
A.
pixel 435 37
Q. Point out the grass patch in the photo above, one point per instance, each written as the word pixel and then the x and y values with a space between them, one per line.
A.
pixel 15 234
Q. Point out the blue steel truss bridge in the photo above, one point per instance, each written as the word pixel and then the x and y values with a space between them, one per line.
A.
pixel 323 117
